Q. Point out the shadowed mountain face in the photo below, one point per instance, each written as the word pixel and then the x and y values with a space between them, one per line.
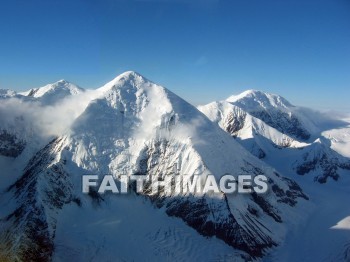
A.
pixel 272 129
pixel 274 110
pixel 132 126
pixel 10 145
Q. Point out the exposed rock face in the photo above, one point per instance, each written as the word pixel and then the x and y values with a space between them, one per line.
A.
pixel 318 157
pixel 213 216
pixel 136 127
pixel 283 122
pixel 268 128
pixel 10 145
pixel 28 231
pixel 272 109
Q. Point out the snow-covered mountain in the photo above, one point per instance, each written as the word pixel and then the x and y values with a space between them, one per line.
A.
pixel 255 135
pixel 135 127
pixel 320 159
pixel 323 157
pixel 275 111
pixel 34 117
pixel 132 126
pixel 267 126
pixel 53 93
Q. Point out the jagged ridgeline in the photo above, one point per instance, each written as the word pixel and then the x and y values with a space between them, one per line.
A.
pixel 133 126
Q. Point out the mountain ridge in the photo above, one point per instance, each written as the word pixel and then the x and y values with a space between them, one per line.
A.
pixel 134 127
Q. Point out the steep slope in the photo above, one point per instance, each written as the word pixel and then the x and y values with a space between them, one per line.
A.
pixel 254 134
pixel 13 129
pixel 10 144
pixel 320 159
pixel 33 118
pixel 315 238
pixel 273 146
pixel 136 127
pixel 275 111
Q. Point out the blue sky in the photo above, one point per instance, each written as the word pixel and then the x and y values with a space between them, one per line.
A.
pixel 203 50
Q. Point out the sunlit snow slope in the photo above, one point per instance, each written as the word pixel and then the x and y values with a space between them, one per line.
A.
pixel 135 127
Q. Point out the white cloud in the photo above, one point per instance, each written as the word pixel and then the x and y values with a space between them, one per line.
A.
pixel 42 120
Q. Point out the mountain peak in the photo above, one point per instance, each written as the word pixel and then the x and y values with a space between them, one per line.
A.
pixel 247 93
pixel 62 81
pixel 130 74
pixel 128 78
pixel 275 111
pixel 52 93
pixel 256 98
pixel 61 85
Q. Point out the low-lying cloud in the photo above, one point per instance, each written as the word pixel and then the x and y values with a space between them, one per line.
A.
pixel 25 116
